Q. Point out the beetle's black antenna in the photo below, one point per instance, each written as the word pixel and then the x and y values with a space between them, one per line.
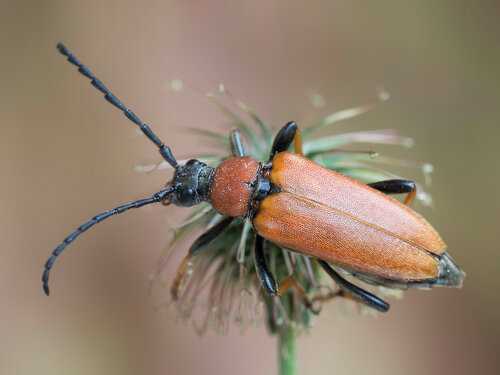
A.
pixel 155 198
pixel 110 97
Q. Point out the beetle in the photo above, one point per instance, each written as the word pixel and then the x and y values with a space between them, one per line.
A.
pixel 299 205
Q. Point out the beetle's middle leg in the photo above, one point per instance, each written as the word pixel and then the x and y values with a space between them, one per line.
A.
pixel 268 281
pixel 265 276
pixel 199 244
pixel 397 187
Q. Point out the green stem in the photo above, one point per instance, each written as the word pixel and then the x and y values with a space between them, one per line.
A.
pixel 287 354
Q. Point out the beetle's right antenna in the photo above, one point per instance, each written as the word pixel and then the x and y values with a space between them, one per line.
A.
pixel 110 97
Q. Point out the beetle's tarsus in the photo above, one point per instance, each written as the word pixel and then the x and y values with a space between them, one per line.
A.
pixel 179 277
pixel 290 283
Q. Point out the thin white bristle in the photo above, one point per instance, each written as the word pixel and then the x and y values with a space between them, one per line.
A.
pixel 176 85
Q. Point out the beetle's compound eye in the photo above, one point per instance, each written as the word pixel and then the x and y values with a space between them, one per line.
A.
pixel 192 162
pixel 186 195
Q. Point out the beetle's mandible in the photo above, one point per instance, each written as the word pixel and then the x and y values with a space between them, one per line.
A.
pixel 299 205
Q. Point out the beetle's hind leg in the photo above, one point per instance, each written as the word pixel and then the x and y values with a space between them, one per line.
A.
pixel 397 187
pixel 237 148
pixel 198 245
pixel 366 297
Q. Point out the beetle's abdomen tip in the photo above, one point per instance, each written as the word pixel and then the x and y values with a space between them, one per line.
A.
pixel 450 274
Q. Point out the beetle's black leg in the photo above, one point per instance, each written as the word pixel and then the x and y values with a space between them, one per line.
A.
pixel 198 245
pixel 366 297
pixel 237 148
pixel 283 139
pixel 267 280
pixel 201 242
pixel 265 276
pixel 397 187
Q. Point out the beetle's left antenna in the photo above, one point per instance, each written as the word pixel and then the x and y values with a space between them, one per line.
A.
pixel 110 97
pixel 160 196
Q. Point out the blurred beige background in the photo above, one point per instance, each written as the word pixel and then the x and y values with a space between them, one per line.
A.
pixel 65 155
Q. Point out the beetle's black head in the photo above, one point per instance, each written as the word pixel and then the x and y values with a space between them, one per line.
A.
pixel 191 183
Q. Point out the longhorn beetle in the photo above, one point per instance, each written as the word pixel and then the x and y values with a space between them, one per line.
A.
pixel 299 205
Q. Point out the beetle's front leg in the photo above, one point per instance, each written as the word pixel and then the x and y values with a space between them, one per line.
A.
pixel 199 244
pixel 397 187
